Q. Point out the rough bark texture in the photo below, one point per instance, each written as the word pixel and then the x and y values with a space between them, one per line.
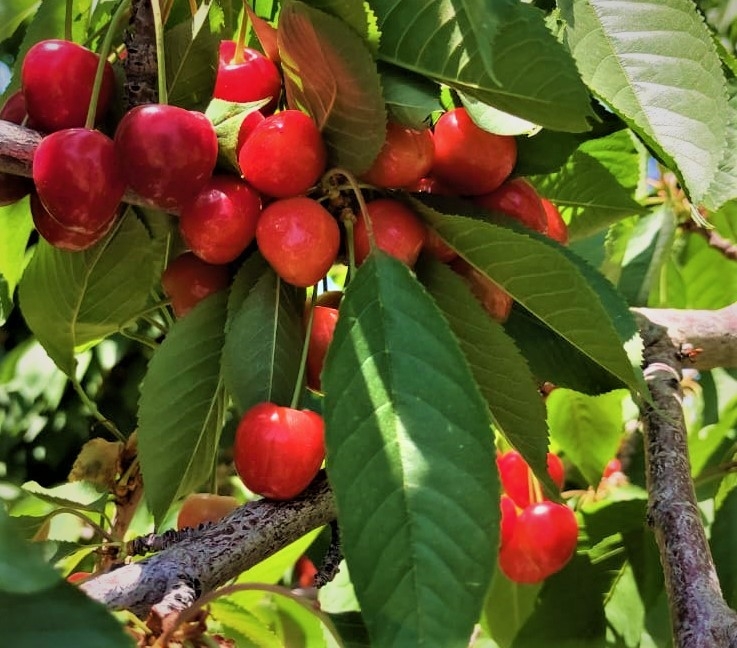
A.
pixel 699 615
pixel 140 65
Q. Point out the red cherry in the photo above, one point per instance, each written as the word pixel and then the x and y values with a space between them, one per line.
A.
pixel 59 236
pixel 220 222
pixel 14 108
pixel 284 155
pixel 613 466
pixel 495 301
pixel 78 179
pixel 518 199
pixel 543 540
pixel 167 153
pixel 252 79
pixel 278 450
pixel 305 572
pixel 517 478
pixel 557 227
pixel 57 78
pixel 324 320
pixel 508 518
pixel 431 185
pixel 398 231
pixel 468 158
pixel 187 280
pixel 76 577
pixel 299 238
pixel 248 124
pixel 438 247
pixel 201 508
pixel 13 187
pixel 404 159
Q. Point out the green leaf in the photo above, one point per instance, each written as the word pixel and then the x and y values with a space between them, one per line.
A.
pixel 545 279
pixel 545 152
pixel 508 605
pixel 13 13
pixel 494 120
pixel 724 184
pixel 76 495
pixel 263 344
pixel 180 407
pixel 498 367
pixel 16 226
pixel 500 53
pixel 227 118
pixel 624 609
pixel 330 74
pixel 667 84
pixel 351 12
pixel 192 56
pixel 410 98
pixel 587 428
pixel 408 449
pixel 241 624
pixel 722 542
pixel 91 294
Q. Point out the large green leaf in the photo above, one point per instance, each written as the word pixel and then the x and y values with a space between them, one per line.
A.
pixel 499 52
pixel 78 495
pixel 410 98
pixel 724 184
pixel 180 410
pixel 666 83
pixel 71 300
pixel 16 226
pixel 507 607
pixel 722 542
pixel 410 457
pixel 581 308
pixel 500 370
pixel 13 13
pixel 330 74
pixel 351 12
pixel 263 344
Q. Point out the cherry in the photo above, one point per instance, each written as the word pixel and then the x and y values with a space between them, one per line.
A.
pixel 57 78
pixel 220 222
pixel 517 478
pixel 278 450
pixel 304 572
pixel 14 108
pixel 543 539
pixel 613 466
pixel 508 518
pixel 517 199
pixel 495 300
pixel 78 179
pixel 59 236
pixel 468 158
pixel 187 280
pixel 557 227
pixel 284 155
pixel 324 320
pixel 253 78
pixel 13 187
pixel 167 153
pixel 398 231
pixel 299 238
pixel 431 185
pixel 76 577
pixel 438 247
pixel 404 159
pixel 201 508
pixel 250 121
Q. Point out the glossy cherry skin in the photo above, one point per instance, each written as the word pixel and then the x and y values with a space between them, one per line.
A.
pixel 508 520
pixel 57 78
pixel 220 221
pixel 201 508
pixel 299 238
pixel 516 476
pixel 517 199
pixel 284 155
pixel 78 179
pixel 557 227
pixel 167 153
pixel 495 301
pixel 398 231
pixel 468 158
pixel 59 236
pixel 324 320
pixel 613 466
pixel 431 185
pixel 13 187
pixel 253 79
pixel 278 450
pixel 404 159
pixel 543 539
pixel 304 572
pixel 187 280
pixel 249 122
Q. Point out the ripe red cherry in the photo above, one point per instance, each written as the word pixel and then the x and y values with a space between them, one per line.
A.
pixel 252 78
pixel 431 185
pixel 324 320
pixel 79 576
pixel 543 540
pixel 304 572
pixel 508 518
pixel 220 222
pixel 518 199
pixel 438 247
pixel 187 280
pixel 201 508
pixel 278 450
pixel 470 159
pixel 299 238
pixel 613 466
pixel 78 179
pixel 495 301
pixel 398 231
pixel 59 236
pixel 404 159
pixel 284 155
pixel 57 78
pixel 517 478
pixel 13 187
pixel 167 153
pixel 557 228
pixel 249 122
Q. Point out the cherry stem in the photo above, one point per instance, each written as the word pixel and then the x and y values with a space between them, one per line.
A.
pixel 92 406
pixel 355 187
pixel 160 64
pixel 66 509
pixel 193 7
pixel 240 43
pixel 68 20
pixel 122 9
pixel 347 220
pixel 305 347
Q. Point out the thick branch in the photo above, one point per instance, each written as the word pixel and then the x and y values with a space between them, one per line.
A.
pixel 699 615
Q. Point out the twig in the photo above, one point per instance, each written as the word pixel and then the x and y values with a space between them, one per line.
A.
pixel 714 239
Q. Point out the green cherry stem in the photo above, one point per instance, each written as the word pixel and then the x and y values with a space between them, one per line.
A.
pixel 348 220
pixel 68 20
pixel 122 9
pixel 240 43
pixel 305 347
pixel 160 64
pixel 92 407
